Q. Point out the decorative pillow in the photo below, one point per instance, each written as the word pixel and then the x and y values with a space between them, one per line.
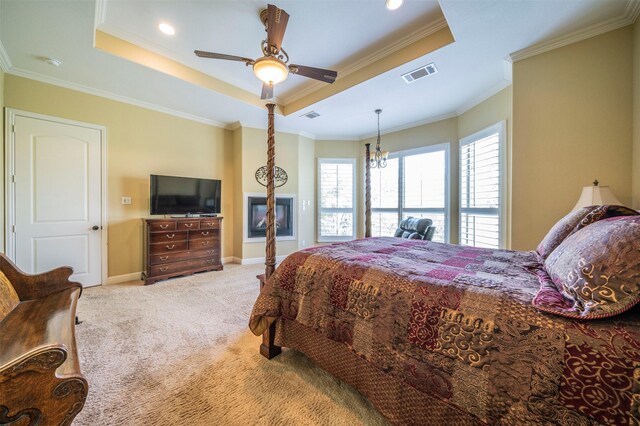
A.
pixel 577 220
pixel 596 270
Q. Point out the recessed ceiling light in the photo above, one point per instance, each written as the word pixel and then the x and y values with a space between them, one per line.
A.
pixel 167 29
pixel 393 4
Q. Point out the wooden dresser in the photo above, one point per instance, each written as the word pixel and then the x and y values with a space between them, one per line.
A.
pixel 181 246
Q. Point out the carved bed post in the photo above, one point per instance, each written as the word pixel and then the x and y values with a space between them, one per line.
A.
pixel 270 260
pixel 267 348
pixel 367 190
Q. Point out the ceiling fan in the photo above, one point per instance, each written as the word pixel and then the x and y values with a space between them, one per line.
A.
pixel 272 68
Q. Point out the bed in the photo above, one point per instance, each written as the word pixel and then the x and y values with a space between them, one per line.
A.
pixel 434 333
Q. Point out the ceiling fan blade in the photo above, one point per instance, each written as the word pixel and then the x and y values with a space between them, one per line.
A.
pixel 327 76
pixel 276 25
pixel 267 91
pixel 212 55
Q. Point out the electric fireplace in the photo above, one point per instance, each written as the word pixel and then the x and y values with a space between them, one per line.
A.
pixel 257 217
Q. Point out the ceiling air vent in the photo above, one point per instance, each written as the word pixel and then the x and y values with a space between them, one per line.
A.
pixel 311 114
pixel 419 73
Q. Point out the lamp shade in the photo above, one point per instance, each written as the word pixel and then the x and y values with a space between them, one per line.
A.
pixel 596 196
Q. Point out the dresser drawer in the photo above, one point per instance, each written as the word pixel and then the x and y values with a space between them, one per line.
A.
pixel 170 268
pixel 188 224
pixel 203 263
pixel 210 223
pixel 201 244
pixel 168 236
pixel 203 233
pixel 161 225
pixel 157 259
pixel 168 247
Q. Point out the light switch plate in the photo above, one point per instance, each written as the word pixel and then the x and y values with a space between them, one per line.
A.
pixel 126 200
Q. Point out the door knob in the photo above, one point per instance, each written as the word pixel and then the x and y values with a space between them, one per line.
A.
pixel 95 227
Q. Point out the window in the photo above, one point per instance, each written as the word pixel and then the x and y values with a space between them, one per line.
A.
pixel 414 183
pixel 336 199
pixel 482 191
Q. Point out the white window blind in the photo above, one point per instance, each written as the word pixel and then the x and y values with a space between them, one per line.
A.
pixel 481 192
pixel 414 183
pixel 336 199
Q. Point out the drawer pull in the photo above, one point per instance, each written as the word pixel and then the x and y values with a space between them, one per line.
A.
pixel 170 236
pixel 170 247
pixel 164 257
pixel 164 226
pixel 205 243
pixel 164 268
pixel 208 224
pixel 188 225
pixel 209 260
pixel 209 251
pixel 205 233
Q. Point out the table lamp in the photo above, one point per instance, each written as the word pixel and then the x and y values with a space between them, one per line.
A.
pixel 596 196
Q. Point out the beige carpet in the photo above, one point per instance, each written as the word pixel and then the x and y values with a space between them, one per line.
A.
pixel 179 353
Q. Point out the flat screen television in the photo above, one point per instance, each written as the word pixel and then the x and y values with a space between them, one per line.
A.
pixel 177 195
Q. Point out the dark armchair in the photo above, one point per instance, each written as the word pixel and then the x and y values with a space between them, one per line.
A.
pixel 416 228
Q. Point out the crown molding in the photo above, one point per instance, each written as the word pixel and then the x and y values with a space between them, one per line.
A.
pixel 482 97
pixel 5 62
pixel 628 17
pixel 633 10
pixel 393 47
pixel 112 96
pixel 237 125
pixel 409 125
pixel 100 13
pixel 307 135
pixel 337 138
pixel 507 69
pixel 234 126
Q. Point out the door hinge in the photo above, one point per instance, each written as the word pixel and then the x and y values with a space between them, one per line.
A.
pixel 13 128
pixel 13 229
pixel 13 178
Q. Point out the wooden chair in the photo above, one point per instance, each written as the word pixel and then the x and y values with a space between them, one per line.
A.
pixel 40 378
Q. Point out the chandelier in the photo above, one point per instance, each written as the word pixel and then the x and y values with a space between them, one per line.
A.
pixel 378 159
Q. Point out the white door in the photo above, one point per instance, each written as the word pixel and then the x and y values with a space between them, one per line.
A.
pixel 57 198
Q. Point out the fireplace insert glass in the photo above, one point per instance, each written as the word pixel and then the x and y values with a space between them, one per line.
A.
pixel 257 217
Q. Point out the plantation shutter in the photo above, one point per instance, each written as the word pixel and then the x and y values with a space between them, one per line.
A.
pixel 480 191
pixel 336 199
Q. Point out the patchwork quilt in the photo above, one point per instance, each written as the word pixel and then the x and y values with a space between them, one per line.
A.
pixel 457 323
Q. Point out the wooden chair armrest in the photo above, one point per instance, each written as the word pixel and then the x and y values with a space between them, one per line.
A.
pixel 31 389
pixel 42 358
pixel 35 286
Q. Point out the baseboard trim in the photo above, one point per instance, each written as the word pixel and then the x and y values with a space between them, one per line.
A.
pixel 117 279
pixel 136 276
pixel 256 260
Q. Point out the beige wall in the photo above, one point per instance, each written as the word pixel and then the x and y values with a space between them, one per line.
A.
pixel 237 200
pixel 636 116
pixel 487 113
pixel 139 142
pixel 571 124
pixel 306 192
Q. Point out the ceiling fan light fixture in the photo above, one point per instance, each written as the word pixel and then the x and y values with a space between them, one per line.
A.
pixel 393 4
pixel 270 70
